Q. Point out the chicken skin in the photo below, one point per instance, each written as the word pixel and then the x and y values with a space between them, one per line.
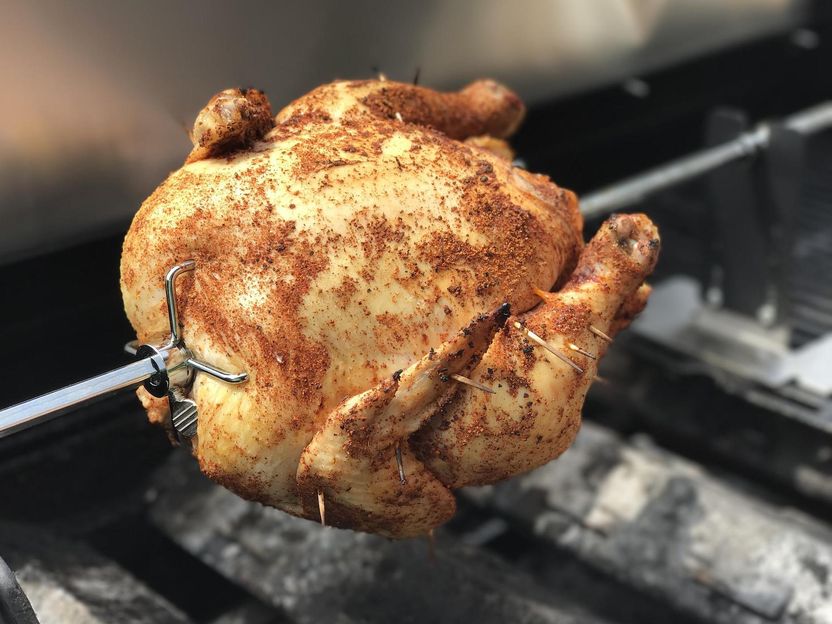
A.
pixel 415 313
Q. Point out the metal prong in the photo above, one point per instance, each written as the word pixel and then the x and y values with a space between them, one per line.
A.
pixel 322 507
pixel 533 336
pixel 381 77
pixel 575 347
pixel 170 295
pixel 473 384
pixel 599 333
pixel 233 378
pixel 399 117
pixel 176 327
pixel 400 464
pixel 600 379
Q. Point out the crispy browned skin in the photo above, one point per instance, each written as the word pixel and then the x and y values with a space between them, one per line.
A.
pixel 352 240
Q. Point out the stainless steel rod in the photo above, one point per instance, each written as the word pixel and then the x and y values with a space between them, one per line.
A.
pixel 810 120
pixel 635 189
pixel 42 408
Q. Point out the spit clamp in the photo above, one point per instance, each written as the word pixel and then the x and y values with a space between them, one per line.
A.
pixel 166 369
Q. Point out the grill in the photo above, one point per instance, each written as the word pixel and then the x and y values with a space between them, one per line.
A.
pixel 695 492
pixel 811 299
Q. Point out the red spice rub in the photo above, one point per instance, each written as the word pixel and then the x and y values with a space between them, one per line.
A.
pixel 339 246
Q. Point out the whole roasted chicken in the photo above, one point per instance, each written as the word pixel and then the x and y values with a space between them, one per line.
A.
pixel 415 313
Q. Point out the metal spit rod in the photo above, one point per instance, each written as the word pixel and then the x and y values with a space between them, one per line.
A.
pixel 160 368
pixel 633 190
pixel 40 409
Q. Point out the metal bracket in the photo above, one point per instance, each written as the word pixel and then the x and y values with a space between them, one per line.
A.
pixel 754 205
pixel 183 414
pixel 175 365
pixel 159 367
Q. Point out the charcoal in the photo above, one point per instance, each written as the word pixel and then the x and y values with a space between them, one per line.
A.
pixel 68 583
pixel 324 574
pixel 668 528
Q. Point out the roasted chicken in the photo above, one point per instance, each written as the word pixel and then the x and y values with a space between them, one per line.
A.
pixel 416 314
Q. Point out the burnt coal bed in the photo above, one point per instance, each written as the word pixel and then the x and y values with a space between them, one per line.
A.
pixel 687 498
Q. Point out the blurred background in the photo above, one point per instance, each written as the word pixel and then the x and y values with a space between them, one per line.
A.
pixel 100 94
pixel 700 487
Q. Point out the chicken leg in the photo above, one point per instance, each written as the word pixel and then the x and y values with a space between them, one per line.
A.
pixel 533 417
pixel 340 242
pixel 472 436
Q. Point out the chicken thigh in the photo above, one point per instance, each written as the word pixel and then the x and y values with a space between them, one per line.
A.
pixel 383 273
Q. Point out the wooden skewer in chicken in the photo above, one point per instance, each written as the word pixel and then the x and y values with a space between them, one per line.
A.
pixel 375 262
